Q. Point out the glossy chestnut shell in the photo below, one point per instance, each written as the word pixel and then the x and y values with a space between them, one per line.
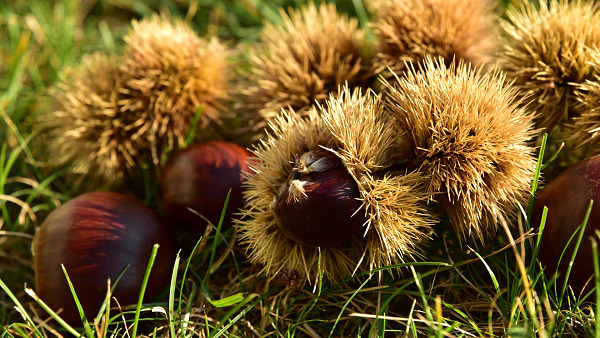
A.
pixel 96 236
pixel 319 205
pixel 199 178
pixel 567 197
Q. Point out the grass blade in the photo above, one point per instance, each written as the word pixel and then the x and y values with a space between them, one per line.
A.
pixel 361 12
pixel 111 290
pixel 385 305
pixel 19 306
pixel 51 312
pixel 538 170
pixel 187 266
pixel 227 301
pixel 318 289
pixel 536 247
pixel 596 281
pixel 243 312
pixel 491 273
pixel 410 324
pixel 554 156
pixel 86 324
pixel 171 305
pixel 192 131
pixel 346 305
pixel 217 236
pixel 577 244
pixel 138 307
pixel 419 282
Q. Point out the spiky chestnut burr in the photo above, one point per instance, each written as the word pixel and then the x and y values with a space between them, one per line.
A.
pixel 346 143
pixel 169 72
pixel 583 132
pixel 112 114
pixel 547 52
pixel 311 53
pixel 96 236
pixel 467 131
pixel 567 198
pixel 85 130
pixel 409 30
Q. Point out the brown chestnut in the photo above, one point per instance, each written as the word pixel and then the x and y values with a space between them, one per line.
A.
pixel 318 206
pixel 96 236
pixel 199 178
pixel 567 197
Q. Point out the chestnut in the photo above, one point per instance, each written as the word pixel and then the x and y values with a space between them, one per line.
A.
pixel 199 178
pixel 318 206
pixel 96 236
pixel 567 197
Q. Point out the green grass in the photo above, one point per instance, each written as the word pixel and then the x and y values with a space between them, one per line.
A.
pixel 496 289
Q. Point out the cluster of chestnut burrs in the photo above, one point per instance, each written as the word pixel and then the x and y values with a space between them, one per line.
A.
pixel 357 151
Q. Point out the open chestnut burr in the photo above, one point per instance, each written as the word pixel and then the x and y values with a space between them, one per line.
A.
pixel 96 236
pixel 198 178
pixel 567 198
pixel 322 194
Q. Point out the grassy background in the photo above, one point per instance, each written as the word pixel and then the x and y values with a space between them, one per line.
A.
pixel 495 289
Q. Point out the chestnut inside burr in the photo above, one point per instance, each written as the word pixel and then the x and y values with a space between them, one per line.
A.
pixel 318 205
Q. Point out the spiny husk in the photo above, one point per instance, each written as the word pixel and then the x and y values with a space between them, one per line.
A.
pixel 409 30
pixel 352 127
pixel 469 134
pixel 585 129
pixel 311 53
pixel 547 53
pixel 169 73
pixel 86 129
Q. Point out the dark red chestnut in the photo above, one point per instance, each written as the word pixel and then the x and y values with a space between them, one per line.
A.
pixel 199 178
pixel 318 205
pixel 567 197
pixel 96 236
